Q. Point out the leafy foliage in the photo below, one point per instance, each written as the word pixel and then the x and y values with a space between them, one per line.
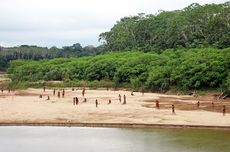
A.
pixel 195 26
pixel 183 68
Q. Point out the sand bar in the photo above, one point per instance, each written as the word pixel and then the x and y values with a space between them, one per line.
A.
pixel 24 107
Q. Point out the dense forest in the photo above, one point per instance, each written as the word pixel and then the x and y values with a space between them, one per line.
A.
pixel 183 49
pixel 184 69
pixel 36 53
pixel 195 26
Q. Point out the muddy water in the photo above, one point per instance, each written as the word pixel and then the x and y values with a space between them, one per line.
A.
pixel 74 139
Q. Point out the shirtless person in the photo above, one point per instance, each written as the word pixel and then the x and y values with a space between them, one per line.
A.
pixel 76 100
pixel 96 102
pixel 119 97
pixel 224 110
pixel 83 92
pixel 63 93
pixel 59 94
pixel 124 100
pixel 173 109
pixel 109 101
pixel 157 104
pixel 198 104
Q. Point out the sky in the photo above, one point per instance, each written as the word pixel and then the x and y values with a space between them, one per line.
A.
pixel 65 22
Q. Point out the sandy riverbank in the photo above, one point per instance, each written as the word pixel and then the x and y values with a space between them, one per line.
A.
pixel 25 107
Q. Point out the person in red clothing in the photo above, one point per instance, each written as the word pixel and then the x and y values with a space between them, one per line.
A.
pixel 198 104
pixel 157 104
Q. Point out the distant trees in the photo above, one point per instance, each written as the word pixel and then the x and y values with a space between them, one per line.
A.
pixel 37 53
pixel 195 26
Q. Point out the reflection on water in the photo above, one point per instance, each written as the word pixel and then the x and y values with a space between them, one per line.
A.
pixel 74 139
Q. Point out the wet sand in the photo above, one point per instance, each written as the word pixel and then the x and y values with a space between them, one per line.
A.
pixel 25 107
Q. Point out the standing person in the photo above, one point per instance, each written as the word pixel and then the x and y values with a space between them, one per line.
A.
pixel 198 104
pixel 54 91
pixel 83 92
pixel 59 94
pixel 143 91
pixel 224 110
pixel 109 101
pixel 76 99
pixel 63 93
pixel 119 97
pixel 157 104
pixel 173 109
pixel 44 89
pixel 96 102
pixel 124 100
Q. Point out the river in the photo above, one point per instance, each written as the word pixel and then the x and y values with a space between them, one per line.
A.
pixel 77 139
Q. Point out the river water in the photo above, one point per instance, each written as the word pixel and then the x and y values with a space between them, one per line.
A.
pixel 76 139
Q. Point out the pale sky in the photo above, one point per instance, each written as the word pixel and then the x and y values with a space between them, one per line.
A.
pixel 65 22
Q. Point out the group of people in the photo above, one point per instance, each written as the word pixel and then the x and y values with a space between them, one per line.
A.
pixel 157 105
pixel 124 97
pixel 59 93
pixel 76 100
pixel 9 90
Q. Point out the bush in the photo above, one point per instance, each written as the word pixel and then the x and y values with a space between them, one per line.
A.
pixel 184 68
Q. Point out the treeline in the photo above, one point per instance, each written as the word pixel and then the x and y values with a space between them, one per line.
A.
pixel 183 69
pixel 195 26
pixel 37 53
